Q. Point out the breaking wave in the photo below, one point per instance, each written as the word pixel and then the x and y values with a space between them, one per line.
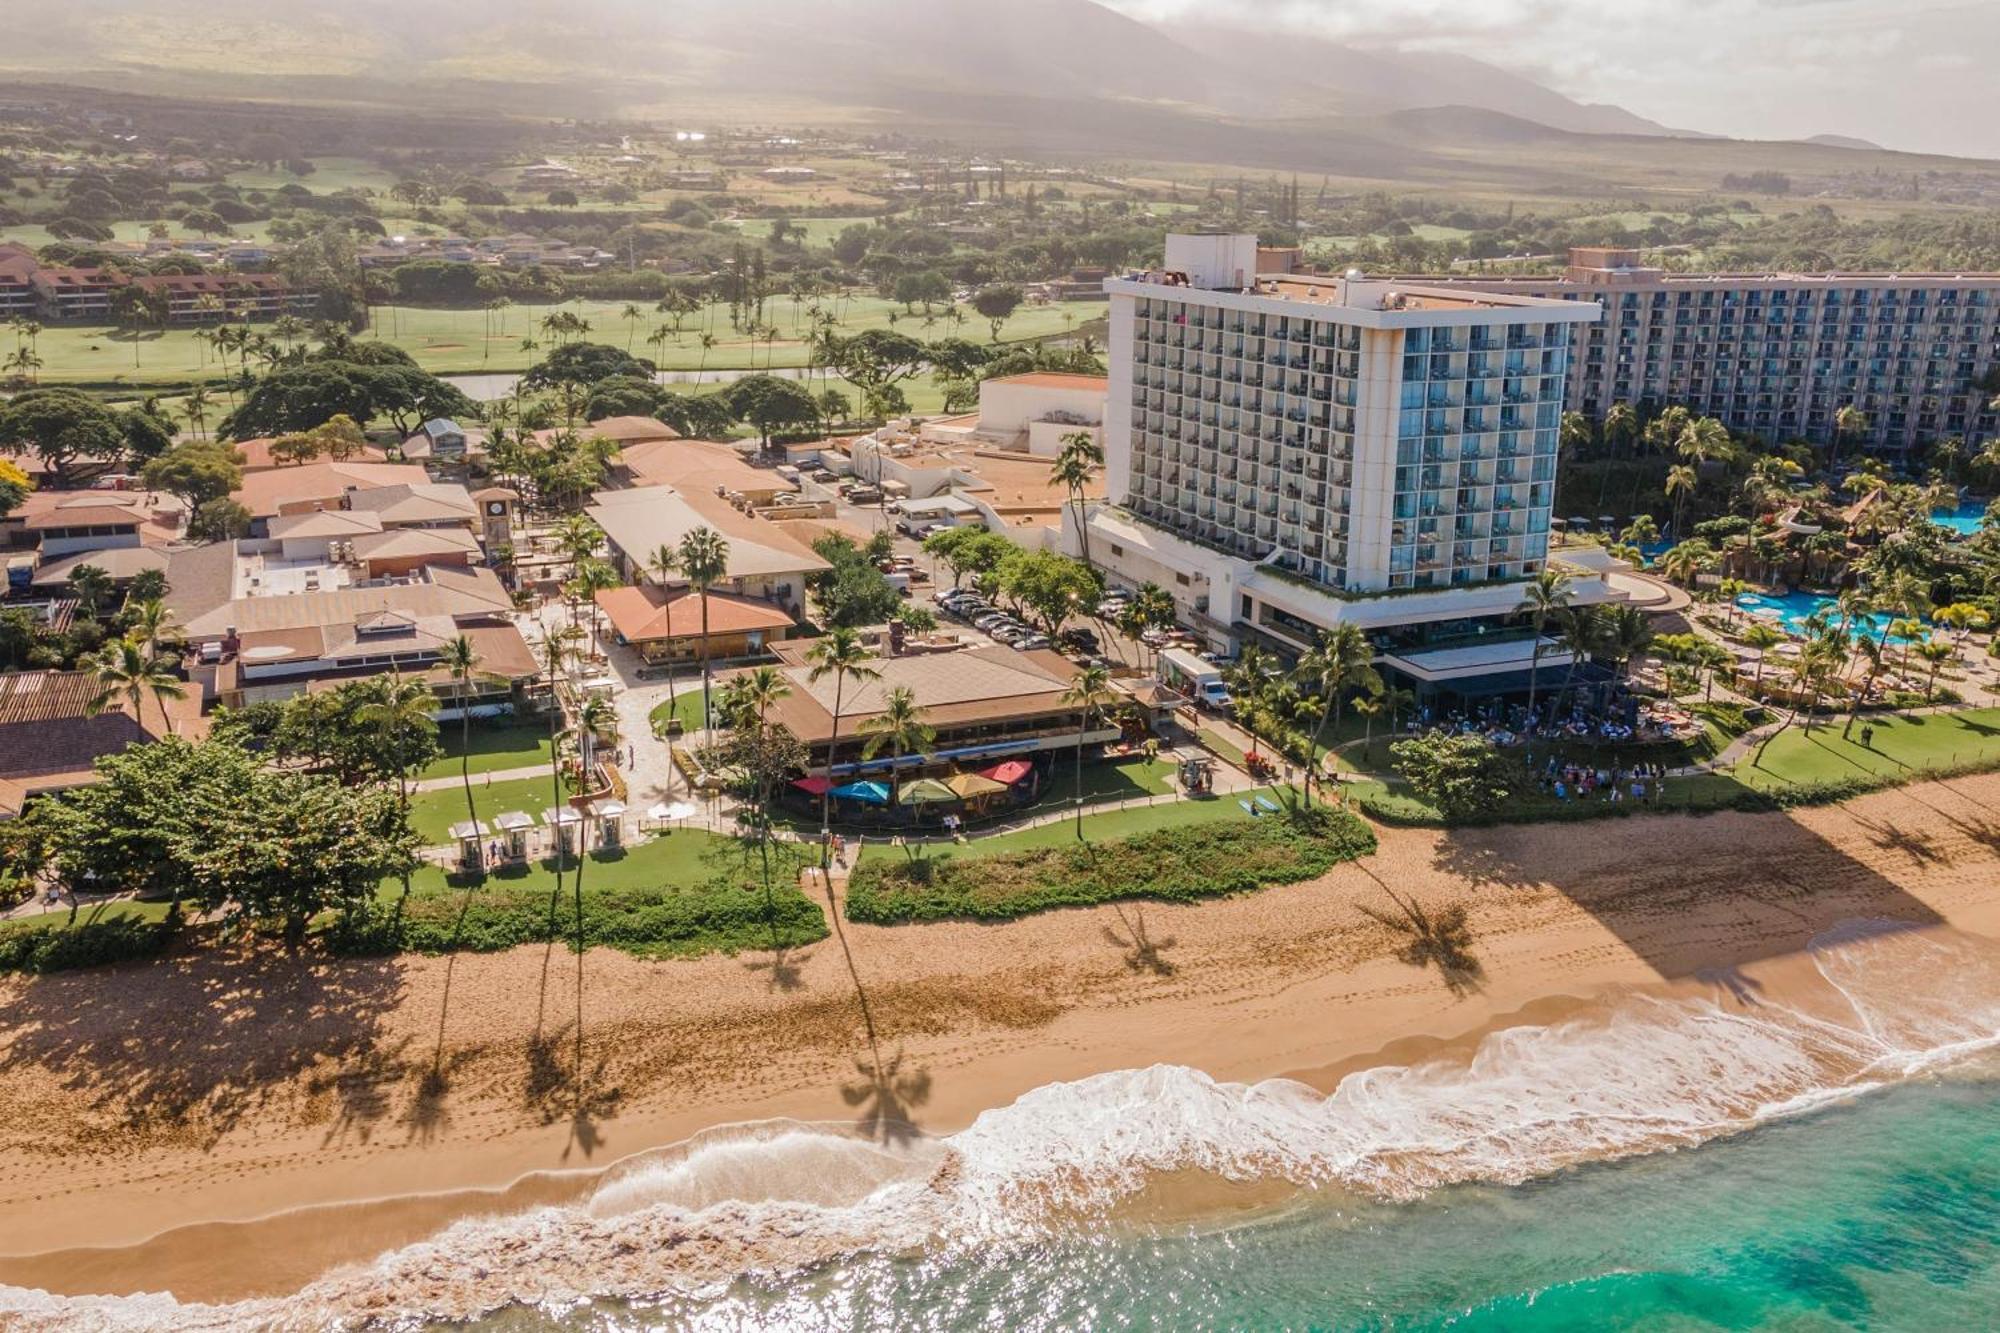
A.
pixel 1641 1075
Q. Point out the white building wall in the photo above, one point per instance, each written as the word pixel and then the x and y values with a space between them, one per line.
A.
pixel 1373 492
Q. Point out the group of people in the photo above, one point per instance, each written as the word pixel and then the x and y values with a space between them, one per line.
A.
pixel 1575 782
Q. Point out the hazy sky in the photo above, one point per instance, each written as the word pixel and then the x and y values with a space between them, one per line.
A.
pixel 1915 75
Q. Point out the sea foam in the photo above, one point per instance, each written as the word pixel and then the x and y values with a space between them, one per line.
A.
pixel 1642 1075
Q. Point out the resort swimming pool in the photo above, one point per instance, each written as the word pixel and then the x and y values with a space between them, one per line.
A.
pixel 1964 520
pixel 1792 609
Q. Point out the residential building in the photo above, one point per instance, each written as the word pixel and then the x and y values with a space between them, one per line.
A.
pixel 257 455
pixel 265 625
pixel 17 288
pixel 312 486
pixel 765 561
pixel 70 295
pixel 1291 452
pixel 1779 354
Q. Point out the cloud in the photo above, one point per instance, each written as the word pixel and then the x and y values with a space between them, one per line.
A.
pixel 1753 68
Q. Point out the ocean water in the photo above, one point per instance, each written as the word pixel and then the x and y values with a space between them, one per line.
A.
pixel 1879 1214
pixel 1647 1164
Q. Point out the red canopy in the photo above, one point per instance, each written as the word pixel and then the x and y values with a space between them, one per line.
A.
pixel 1009 772
pixel 813 786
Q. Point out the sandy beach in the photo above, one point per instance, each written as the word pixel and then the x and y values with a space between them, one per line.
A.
pixel 225 1126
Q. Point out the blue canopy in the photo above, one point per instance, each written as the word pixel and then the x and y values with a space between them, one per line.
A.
pixel 869 793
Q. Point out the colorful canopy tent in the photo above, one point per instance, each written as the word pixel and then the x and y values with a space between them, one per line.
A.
pixel 868 793
pixel 1009 773
pixel 971 786
pixel 925 791
pixel 813 786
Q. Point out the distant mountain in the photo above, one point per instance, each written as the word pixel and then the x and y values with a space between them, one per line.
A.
pixel 1845 141
pixel 604 55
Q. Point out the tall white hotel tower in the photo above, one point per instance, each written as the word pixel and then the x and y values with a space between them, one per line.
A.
pixel 1287 451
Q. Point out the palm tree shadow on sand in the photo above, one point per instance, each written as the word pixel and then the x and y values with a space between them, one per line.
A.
pixel 1441 939
pixel 1142 952
pixel 888 1095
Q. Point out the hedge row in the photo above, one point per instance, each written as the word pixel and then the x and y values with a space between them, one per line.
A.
pixel 56 947
pixel 1173 865
pixel 654 923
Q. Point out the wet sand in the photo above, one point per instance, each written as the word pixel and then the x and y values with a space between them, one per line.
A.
pixel 150 1115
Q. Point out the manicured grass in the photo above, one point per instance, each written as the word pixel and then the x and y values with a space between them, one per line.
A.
pixel 1903 746
pixel 1120 780
pixel 1223 750
pixel 432 813
pixel 494 749
pixel 686 706
pixel 1171 865
pixel 682 895
pixel 1794 768
pixel 470 341
pixel 1105 827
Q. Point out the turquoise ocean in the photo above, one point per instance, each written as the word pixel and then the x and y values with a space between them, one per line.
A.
pixel 1669 1164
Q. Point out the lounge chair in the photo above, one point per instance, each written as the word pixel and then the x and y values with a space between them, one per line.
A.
pixel 1249 809
pixel 1270 806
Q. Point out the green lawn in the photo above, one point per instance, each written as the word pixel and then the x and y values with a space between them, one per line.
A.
pixel 681 895
pixel 432 813
pixel 686 706
pixel 469 341
pixel 107 932
pixel 1903 747
pixel 1795 765
pixel 1177 863
pixel 494 749
pixel 1103 827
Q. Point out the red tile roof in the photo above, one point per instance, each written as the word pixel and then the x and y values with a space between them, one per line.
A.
pixel 644 615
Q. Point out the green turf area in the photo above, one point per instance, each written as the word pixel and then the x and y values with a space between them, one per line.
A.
pixel 1109 825
pixel 685 705
pixel 471 341
pixel 494 749
pixel 818 232
pixel 432 813
pixel 1178 864
pixel 677 896
pixel 1903 746
pixel 1794 767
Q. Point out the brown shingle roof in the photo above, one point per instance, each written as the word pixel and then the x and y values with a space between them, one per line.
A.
pixel 644 615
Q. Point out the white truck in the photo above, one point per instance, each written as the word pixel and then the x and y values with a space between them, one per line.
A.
pixel 1196 677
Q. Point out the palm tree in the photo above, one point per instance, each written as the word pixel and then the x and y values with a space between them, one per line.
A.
pixel 394 707
pixel 461 660
pixel 1849 423
pixel 1681 482
pixel 900 726
pixel 1343 658
pixel 152 621
pixel 194 409
pixel 631 314
pixel 578 536
pixel 593 577
pixel 92 585
pixel 840 654
pixel 1936 652
pixel 1089 690
pixel 704 559
pixel 1543 599
pixel 126 673
pixel 1685 561
pixel 1763 638
pixel 762 689
pixel 707 344
pixel 1621 423
pixel 1074 467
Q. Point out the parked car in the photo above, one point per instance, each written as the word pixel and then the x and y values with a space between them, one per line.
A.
pixel 1081 638
pixel 1111 608
pixel 1027 641
pixel 992 619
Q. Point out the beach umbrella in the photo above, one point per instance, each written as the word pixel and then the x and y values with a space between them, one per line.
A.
pixel 814 786
pixel 924 791
pixel 868 793
pixel 971 786
pixel 1009 773
pixel 682 810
